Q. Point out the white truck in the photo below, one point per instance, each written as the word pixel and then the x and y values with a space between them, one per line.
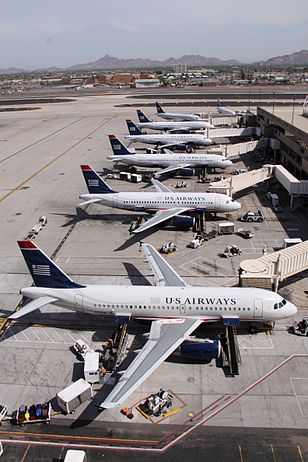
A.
pixel 274 201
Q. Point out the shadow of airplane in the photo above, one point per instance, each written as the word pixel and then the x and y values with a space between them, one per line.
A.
pixel 135 276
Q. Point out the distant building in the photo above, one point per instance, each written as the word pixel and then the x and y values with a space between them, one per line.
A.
pixel 180 68
pixel 147 83
pixel 124 78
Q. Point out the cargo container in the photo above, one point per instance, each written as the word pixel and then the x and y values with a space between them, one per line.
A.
pixel 126 176
pixel 136 178
pixel 226 227
pixel 74 395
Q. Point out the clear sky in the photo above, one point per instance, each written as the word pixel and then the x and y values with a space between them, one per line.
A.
pixel 40 33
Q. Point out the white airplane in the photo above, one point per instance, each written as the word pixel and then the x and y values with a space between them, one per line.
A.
pixel 168 159
pixel 225 111
pixel 228 112
pixel 189 125
pixel 175 308
pixel 166 139
pixel 166 203
pixel 174 116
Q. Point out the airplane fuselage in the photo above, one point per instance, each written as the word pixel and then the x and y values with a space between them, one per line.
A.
pixel 177 117
pixel 150 302
pixel 180 125
pixel 172 139
pixel 153 201
pixel 165 160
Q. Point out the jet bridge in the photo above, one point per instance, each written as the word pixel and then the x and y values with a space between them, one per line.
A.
pixel 267 271
pixel 245 180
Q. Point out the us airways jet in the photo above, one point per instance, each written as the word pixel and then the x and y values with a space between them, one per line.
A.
pixel 189 125
pixel 175 309
pixel 174 116
pixel 166 203
pixel 166 139
pixel 168 159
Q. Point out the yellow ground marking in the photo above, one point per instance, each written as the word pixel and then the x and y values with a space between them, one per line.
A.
pixel 177 409
pixel 76 437
pixel 300 453
pixel 54 160
pixel 25 453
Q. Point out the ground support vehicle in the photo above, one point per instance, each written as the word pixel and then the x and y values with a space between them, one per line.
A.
pixel 156 403
pixel 246 233
pixel 74 395
pixel 231 251
pixel 81 348
pixel 253 217
pixel 36 413
pixel 301 327
pixel 168 249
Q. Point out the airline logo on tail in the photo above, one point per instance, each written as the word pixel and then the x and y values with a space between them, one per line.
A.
pixel 93 182
pixel 41 270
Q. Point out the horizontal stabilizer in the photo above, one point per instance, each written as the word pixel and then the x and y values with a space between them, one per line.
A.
pixel 32 306
pixel 91 201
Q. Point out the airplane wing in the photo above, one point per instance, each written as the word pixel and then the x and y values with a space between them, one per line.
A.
pixel 165 336
pixel 160 217
pixel 31 306
pixel 178 143
pixel 172 168
pixel 159 186
pixel 164 274
pixel 181 129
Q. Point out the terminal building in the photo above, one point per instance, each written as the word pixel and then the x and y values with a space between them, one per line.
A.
pixel 290 128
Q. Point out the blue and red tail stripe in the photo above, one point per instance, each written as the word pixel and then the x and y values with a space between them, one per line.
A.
pixel 94 182
pixel 44 271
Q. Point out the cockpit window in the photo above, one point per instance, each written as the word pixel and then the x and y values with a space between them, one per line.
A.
pixel 280 304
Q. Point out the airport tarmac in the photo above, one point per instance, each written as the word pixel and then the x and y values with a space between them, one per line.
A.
pixel 40 156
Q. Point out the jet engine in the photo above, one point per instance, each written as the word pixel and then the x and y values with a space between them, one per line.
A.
pixel 200 349
pixel 182 222
pixel 186 171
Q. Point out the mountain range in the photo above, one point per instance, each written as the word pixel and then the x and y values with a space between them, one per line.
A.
pixel 298 58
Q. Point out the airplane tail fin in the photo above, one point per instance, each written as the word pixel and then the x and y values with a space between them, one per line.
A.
pixel 118 148
pixel 132 128
pixel 94 182
pixel 159 108
pixel 142 117
pixel 44 271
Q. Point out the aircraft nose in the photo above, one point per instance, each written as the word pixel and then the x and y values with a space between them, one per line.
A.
pixel 236 205
pixel 292 310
